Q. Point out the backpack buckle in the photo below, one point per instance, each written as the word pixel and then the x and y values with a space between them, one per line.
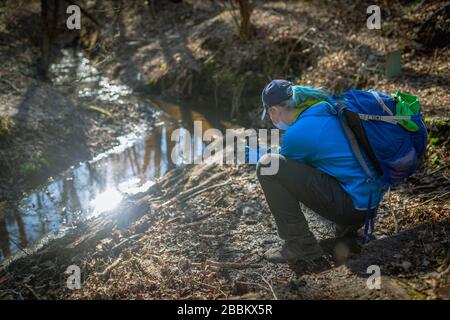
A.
pixel 364 116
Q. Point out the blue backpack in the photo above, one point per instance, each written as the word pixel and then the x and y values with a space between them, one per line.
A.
pixel 372 125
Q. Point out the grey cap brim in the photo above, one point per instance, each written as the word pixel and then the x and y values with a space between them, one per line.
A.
pixel 264 113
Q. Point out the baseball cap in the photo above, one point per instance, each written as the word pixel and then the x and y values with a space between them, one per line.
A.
pixel 274 93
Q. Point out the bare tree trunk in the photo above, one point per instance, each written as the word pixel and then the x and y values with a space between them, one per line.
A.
pixel 45 45
pixel 242 19
pixel 55 5
pixel 245 9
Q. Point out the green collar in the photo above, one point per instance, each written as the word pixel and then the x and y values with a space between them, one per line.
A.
pixel 303 108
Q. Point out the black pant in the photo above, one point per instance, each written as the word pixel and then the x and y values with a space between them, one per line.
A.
pixel 296 182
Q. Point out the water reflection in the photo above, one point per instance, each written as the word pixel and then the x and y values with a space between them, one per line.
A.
pixel 100 184
pixel 89 189
pixel 74 72
pixel 107 200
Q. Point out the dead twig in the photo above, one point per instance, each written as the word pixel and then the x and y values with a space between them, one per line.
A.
pixel 429 200
pixel 245 283
pixel 439 169
pixel 19 246
pixel 4 293
pixel 211 286
pixel 268 284
pixel 35 295
pixel 288 56
pixel 392 211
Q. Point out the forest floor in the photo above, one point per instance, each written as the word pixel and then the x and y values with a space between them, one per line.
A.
pixel 200 232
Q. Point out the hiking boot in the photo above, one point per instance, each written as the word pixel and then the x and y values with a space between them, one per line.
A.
pixel 347 231
pixel 346 244
pixel 294 250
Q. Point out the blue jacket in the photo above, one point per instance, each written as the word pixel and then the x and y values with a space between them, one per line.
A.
pixel 317 138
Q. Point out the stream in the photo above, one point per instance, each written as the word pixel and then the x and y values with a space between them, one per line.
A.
pixel 100 184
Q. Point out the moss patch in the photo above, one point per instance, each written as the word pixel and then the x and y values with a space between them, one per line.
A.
pixel 438 130
pixel 34 165
pixel 6 125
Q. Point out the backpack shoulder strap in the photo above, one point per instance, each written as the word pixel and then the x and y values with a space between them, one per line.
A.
pixel 381 102
pixel 356 136
pixel 354 144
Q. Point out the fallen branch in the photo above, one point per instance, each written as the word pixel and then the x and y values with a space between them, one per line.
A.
pixel 245 283
pixel 429 186
pixel 186 195
pixel 191 224
pixel 120 244
pixel 231 265
pixel 109 268
pixel 171 176
pixel 185 198
pixel 11 85
pixel 212 236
